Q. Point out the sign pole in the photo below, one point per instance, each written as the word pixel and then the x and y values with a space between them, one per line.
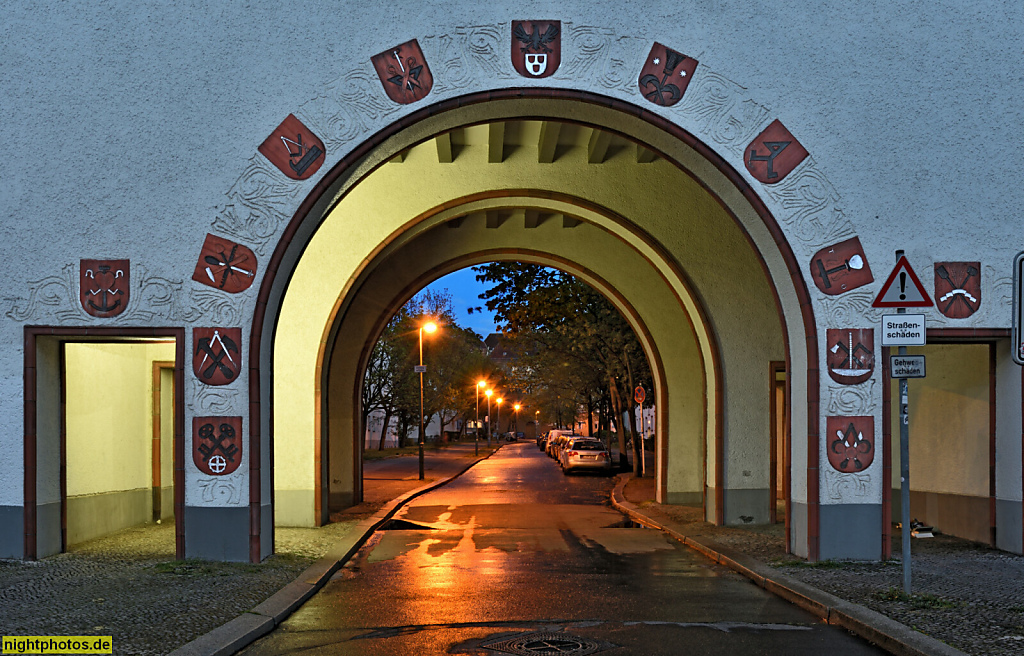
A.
pixel 904 466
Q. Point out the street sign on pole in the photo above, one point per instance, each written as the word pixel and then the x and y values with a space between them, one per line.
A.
pixel 903 330
pixel 902 289
pixel 419 368
pixel 638 394
pixel 1017 345
pixel 906 366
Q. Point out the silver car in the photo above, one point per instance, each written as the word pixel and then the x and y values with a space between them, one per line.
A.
pixel 585 454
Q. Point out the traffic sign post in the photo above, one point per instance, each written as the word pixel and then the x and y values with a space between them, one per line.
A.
pixel 901 290
pixel 906 366
pixel 1018 309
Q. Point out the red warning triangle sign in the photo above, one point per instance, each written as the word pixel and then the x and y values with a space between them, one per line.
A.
pixel 902 289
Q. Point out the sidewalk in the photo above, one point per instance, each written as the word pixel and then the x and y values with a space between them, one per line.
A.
pixel 966 595
pixel 128 585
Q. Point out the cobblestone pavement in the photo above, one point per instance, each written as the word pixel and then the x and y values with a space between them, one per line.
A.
pixel 965 594
pixel 128 585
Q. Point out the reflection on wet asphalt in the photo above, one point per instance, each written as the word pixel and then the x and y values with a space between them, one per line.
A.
pixel 514 555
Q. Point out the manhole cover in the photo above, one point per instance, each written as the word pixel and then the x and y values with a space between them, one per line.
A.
pixel 531 644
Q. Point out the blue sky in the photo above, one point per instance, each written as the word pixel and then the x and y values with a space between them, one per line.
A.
pixel 465 291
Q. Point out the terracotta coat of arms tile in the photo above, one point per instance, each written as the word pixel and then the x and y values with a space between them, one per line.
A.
pixel 104 287
pixel 840 267
pixel 223 264
pixel 404 72
pixel 665 75
pixel 217 359
pixel 217 444
pixel 850 443
pixel 536 47
pixel 958 288
pixel 773 154
pixel 294 149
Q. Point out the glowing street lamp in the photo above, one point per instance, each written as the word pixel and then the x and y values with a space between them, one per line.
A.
pixel 429 327
pixel 516 424
pixel 498 422
pixel 488 394
pixel 476 433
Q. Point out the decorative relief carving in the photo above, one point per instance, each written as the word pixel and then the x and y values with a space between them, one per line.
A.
pixel 1000 286
pixel 843 486
pixel 851 308
pixel 469 54
pixel 224 490
pixel 216 307
pixel 720 106
pixel 208 400
pixel 852 399
pixel 56 294
pixel 811 205
pixel 600 55
pixel 247 226
pixel 155 296
pixel 261 189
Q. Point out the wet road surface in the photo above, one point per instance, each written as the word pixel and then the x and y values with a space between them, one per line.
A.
pixel 515 557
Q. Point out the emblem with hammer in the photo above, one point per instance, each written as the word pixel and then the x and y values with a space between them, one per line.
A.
pixel 217 365
pixel 958 288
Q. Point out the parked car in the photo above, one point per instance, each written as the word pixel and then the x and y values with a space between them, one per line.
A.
pixel 586 454
pixel 542 441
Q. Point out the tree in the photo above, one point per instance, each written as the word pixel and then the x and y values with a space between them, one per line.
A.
pixel 581 342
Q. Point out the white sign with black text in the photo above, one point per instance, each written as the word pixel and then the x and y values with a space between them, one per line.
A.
pixel 903 330
pixel 906 366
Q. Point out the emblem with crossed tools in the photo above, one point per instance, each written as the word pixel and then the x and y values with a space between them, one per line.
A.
pixel 227 346
pixel 214 443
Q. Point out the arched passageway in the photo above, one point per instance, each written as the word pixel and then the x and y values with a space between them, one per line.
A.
pixel 636 212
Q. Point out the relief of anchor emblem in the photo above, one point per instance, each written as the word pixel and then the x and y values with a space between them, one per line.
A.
pixel 104 287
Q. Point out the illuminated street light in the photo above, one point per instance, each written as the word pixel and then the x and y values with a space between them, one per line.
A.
pixel 488 394
pixel 498 419
pixel 515 425
pixel 430 327
pixel 476 432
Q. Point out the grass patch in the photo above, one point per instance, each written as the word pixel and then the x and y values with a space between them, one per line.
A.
pixel 794 562
pixel 922 601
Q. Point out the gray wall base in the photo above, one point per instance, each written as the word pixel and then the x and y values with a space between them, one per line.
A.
pixel 684 498
pixel 12 532
pixel 798 529
pixel 47 529
pixel 341 500
pixel 217 533
pixel 851 531
pixel 95 515
pixel 745 507
pixel 1009 532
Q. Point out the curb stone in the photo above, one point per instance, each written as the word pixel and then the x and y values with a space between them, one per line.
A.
pixel 883 631
pixel 245 629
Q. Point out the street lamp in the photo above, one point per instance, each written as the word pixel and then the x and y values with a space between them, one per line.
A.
pixel 476 432
pixel 516 424
pixel 498 422
pixel 430 327
pixel 488 395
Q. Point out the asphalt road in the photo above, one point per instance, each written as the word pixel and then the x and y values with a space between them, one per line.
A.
pixel 514 557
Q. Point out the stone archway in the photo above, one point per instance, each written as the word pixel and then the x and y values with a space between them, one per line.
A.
pixel 753 224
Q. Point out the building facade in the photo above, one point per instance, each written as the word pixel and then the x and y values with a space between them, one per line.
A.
pixel 209 214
